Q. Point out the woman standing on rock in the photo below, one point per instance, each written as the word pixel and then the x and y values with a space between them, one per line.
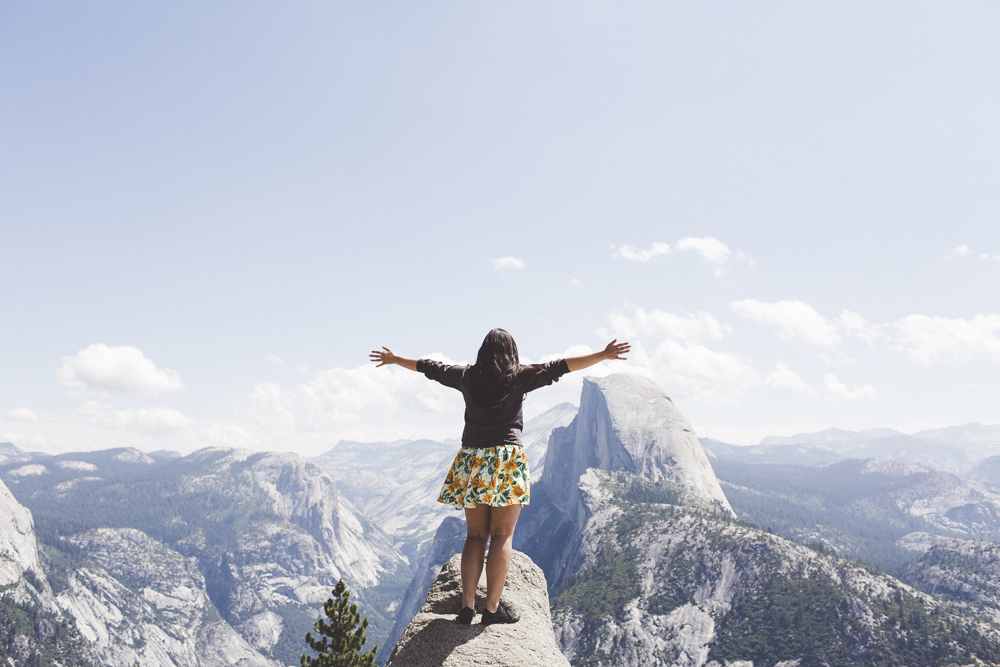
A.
pixel 489 477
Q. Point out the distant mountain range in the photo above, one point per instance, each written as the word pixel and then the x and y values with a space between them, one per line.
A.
pixel 225 556
pixel 955 449
pixel 396 484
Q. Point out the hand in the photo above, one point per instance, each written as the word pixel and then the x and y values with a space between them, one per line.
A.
pixel 383 357
pixel 615 350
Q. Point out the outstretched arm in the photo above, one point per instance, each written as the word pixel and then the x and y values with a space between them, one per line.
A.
pixel 385 356
pixel 614 350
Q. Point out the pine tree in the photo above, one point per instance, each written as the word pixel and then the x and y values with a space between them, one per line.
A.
pixel 341 643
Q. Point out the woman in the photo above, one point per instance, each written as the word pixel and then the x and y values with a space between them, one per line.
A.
pixel 489 477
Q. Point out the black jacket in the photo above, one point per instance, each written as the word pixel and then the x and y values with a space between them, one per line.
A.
pixel 502 426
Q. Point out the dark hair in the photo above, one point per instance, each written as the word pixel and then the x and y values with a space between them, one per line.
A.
pixel 491 378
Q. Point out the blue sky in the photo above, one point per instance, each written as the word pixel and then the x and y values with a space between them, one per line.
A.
pixel 209 214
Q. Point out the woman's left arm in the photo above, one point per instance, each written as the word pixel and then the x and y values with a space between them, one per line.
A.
pixel 614 350
pixel 385 356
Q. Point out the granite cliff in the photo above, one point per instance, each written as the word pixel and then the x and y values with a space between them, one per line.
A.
pixel 625 423
pixel 33 631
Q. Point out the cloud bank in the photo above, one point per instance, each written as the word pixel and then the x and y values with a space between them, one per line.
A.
pixel 116 370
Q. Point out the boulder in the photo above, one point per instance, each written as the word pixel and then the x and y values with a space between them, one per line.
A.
pixel 434 639
pixel 448 540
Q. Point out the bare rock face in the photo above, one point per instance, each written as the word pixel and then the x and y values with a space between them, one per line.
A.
pixel 141 602
pixel 626 422
pixel 18 551
pixel 448 540
pixel 433 639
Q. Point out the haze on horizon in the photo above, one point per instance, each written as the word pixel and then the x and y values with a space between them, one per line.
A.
pixel 210 214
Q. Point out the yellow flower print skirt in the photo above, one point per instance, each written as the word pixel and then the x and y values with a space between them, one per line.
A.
pixel 496 476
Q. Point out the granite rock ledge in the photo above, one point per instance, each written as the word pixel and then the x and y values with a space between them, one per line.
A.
pixel 433 639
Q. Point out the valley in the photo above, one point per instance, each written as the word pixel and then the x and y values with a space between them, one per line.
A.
pixel 658 548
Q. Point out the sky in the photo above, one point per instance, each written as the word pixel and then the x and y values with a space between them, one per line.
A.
pixel 211 212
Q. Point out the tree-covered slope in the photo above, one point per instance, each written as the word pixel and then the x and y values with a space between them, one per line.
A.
pixel 664 584
pixel 861 508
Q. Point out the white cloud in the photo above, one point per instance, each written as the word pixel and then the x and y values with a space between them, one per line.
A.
pixel 575 283
pixel 22 415
pixel 152 421
pixel 784 377
pixel 694 371
pixel 854 325
pixel 630 253
pixel 961 251
pixel 711 248
pixel 930 340
pixel 796 321
pixel 571 351
pixel 924 339
pixel 504 263
pixel 679 363
pixel 714 251
pixel 274 360
pixel 836 391
pixel 691 326
pixel 363 403
pixel 116 370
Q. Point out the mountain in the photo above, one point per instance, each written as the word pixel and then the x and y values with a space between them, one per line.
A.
pixel 18 550
pixel 860 508
pixel 647 565
pixel 32 629
pixel 536 435
pixel 964 571
pixel 204 558
pixel 139 601
pixel 396 484
pixel 625 422
pixel 10 454
pixel 807 455
pixel 984 439
pixel 832 444
pixel 831 435
pixel 987 470
pixel 954 449
pixel 665 584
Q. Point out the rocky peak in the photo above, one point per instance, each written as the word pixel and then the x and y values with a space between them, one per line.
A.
pixel 18 551
pixel 626 422
pixel 448 541
pixel 433 639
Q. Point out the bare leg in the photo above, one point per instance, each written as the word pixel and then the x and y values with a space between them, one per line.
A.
pixel 502 522
pixel 477 521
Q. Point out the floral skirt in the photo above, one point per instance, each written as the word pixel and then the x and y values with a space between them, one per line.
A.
pixel 496 476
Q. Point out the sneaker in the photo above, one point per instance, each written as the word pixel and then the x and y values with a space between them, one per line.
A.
pixel 503 614
pixel 465 616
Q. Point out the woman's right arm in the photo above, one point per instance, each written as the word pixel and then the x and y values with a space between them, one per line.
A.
pixel 614 350
pixel 385 357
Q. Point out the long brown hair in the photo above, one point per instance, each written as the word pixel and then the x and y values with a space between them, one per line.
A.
pixel 491 378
